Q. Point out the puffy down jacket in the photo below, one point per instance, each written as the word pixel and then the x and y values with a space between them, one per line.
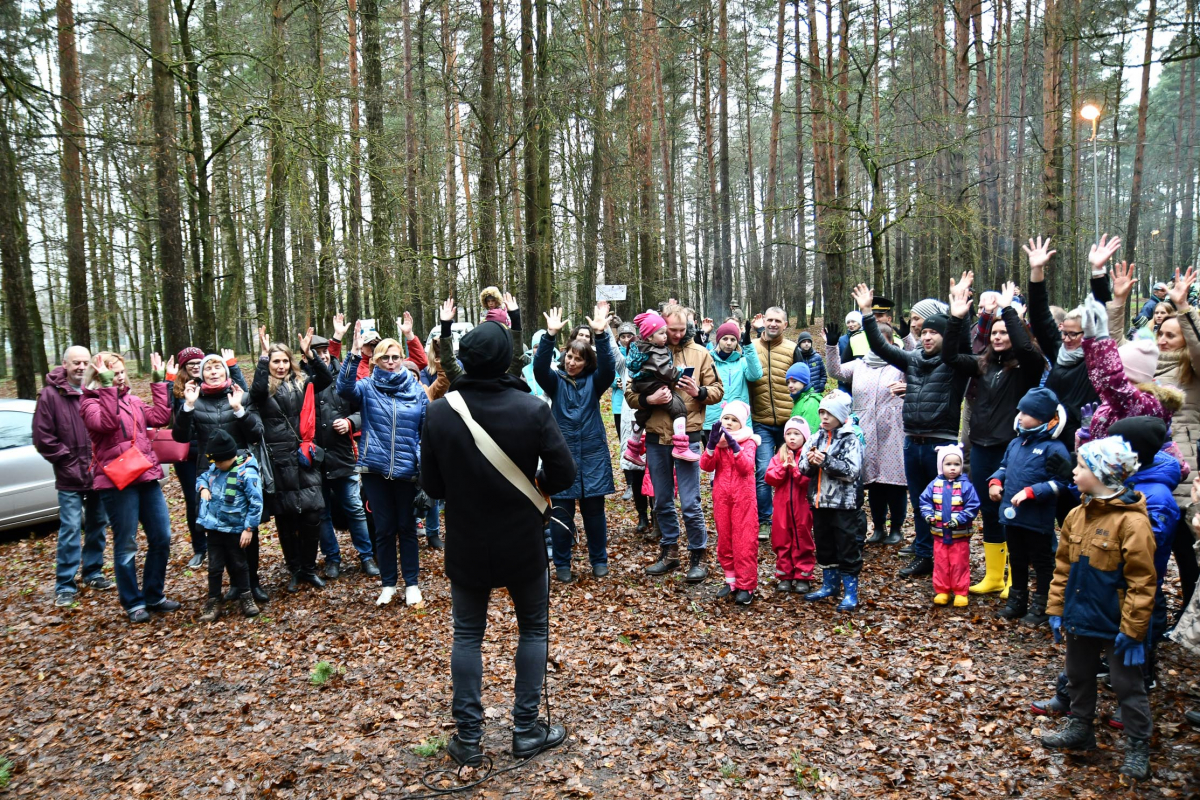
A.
pixel 837 483
pixel 237 499
pixel 392 408
pixel 771 404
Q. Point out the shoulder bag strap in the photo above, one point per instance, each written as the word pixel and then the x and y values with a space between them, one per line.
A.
pixel 497 457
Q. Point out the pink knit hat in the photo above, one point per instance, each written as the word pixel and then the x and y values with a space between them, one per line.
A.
pixel 798 424
pixel 739 409
pixel 1139 357
pixel 497 315
pixel 727 329
pixel 649 323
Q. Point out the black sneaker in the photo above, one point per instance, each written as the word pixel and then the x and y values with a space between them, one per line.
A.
pixel 435 542
pixel 918 566
pixel 164 606
pixel 64 599
pixel 743 598
pixel 332 570
pixel 370 567
pixel 196 561
pixel 100 583
pixel 139 616
pixel 465 754
pixel 542 737
pixel 724 591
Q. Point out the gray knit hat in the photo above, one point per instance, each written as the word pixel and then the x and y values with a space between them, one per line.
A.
pixel 928 307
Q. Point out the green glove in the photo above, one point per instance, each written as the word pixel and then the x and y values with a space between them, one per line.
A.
pixel 157 375
pixel 105 378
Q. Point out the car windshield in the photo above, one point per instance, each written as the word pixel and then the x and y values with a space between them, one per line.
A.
pixel 16 429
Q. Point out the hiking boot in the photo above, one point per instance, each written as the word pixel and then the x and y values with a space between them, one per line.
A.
pixel 1037 611
pixel 464 753
pixel 829 585
pixel 849 593
pixel 1137 759
pixel 893 537
pixel 918 566
pixel 1077 735
pixel 196 561
pixel 434 542
pixel 370 567
pixel 332 570
pixel 163 606
pixel 249 607
pixel 784 586
pixel 1017 605
pixel 212 610
pixel 542 737
pixel 668 560
pixel 743 598
pixel 99 583
pixel 697 572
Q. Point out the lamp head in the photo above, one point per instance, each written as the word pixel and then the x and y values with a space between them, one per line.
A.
pixel 1090 112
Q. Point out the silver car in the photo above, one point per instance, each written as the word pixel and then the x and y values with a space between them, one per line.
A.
pixel 27 493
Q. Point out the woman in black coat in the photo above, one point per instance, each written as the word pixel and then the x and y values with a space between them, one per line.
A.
pixel 278 392
pixel 217 403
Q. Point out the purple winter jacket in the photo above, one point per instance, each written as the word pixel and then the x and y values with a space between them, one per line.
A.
pixel 113 416
pixel 60 435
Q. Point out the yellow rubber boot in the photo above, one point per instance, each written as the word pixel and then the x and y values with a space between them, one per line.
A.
pixel 993 579
pixel 1007 576
pixel 941 599
pixel 960 600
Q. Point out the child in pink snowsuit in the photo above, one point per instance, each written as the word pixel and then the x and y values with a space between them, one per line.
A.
pixel 792 523
pixel 730 455
pixel 949 504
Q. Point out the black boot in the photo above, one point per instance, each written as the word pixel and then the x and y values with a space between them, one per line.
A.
pixel 643 523
pixel 1192 717
pixel 1037 611
pixel 541 737
pixel 232 594
pixel 877 537
pixel 894 537
pixel 918 566
pixel 1137 759
pixel 259 594
pixel 1078 735
pixel 464 753
pixel 1018 604
pixel 696 569
pixel 668 560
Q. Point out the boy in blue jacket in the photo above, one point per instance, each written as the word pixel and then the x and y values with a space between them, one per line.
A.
pixel 231 504
pixel 1027 489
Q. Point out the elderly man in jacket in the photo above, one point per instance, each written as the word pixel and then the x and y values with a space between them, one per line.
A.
pixel 61 437
pixel 702 388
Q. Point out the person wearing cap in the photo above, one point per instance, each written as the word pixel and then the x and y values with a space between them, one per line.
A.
pixel 806 352
pixel 737 366
pixel 216 404
pixel 231 505
pixel 932 408
pixel 832 460
pixel 921 311
pixel 1009 366
pixel 575 403
pixel 880 414
pixel 494 532
pixel 1101 600
pixel 771 405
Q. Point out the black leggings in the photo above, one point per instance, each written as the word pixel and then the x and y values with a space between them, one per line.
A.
pixel 885 497
pixel 633 477
pixel 1025 547
pixel 1185 560
pixel 298 538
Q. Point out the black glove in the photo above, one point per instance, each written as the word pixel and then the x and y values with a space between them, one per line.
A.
pixel 1060 467
pixel 832 334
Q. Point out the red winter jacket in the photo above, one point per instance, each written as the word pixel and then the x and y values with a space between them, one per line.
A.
pixel 113 416
pixel 60 435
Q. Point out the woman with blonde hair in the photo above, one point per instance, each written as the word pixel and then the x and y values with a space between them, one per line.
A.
pixel 286 401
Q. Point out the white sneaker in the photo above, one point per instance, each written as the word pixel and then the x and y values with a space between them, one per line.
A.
pixel 412 596
pixel 386 596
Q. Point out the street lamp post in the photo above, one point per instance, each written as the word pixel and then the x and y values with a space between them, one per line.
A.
pixel 1091 113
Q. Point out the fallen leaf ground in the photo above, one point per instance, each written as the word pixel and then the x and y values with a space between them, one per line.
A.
pixel 666 692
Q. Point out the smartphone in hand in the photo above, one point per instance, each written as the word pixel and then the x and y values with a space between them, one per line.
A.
pixel 689 372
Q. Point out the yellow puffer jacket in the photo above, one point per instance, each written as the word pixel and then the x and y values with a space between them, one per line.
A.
pixel 770 403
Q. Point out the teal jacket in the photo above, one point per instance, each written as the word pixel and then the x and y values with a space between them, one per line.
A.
pixel 736 370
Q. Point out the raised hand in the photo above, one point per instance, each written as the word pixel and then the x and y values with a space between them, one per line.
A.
pixel 1039 253
pixel 599 317
pixel 603 308
pixel 1102 251
pixel 264 339
pixel 191 391
pixel 832 334
pixel 305 341
pixel 171 367
pixel 156 363
pixel 356 347
pixel 447 312
pixel 1123 280
pixel 235 397
pixel 555 321
pixel 960 295
pixel 1179 289
pixel 758 322
pixel 1006 295
pixel 706 325
pixel 227 355
pixel 863 295
pixel 405 324
pixel 339 326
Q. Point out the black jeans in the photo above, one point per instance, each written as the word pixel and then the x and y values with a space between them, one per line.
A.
pixel 1025 547
pixel 391 503
pixel 835 532
pixel 634 478
pixel 225 552
pixel 884 498
pixel 985 460
pixel 469 609
pixel 185 472
pixel 299 534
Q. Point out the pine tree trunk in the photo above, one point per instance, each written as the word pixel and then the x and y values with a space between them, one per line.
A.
pixel 354 300
pixel 488 264
pixel 72 177
pixel 17 302
pixel 1135 189
pixel 765 282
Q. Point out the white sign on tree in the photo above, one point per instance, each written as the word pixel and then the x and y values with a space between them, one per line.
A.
pixel 610 291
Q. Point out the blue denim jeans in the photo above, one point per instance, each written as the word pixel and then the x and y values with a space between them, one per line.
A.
pixel 985 460
pixel 144 503
pixel 687 474
pixel 395 528
pixel 772 440
pixel 920 468
pixel 79 513
pixel 562 530
pixel 433 524
pixel 345 492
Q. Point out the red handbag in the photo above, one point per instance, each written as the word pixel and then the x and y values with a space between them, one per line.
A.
pixel 166 448
pixel 127 467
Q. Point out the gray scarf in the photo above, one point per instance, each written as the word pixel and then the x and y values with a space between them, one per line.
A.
pixel 873 360
pixel 1069 358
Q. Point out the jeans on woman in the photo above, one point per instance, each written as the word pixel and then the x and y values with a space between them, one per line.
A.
pixel 469 606
pixel 185 472
pixel 985 460
pixel 391 504
pixel 562 530
pixel 144 503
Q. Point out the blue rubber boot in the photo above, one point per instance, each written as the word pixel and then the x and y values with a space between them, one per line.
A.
pixel 850 598
pixel 829 585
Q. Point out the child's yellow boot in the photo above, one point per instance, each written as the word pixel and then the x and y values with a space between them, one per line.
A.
pixel 941 599
pixel 993 579
pixel 960 600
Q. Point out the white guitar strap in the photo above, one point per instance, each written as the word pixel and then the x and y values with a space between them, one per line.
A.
pixel 497 457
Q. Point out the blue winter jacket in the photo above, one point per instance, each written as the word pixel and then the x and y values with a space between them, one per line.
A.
pixel 1024 467
pixel 576 407
pixel 237 499
pixel 392 406
pixel 1157 483
pixel 818 377
pixel 736 370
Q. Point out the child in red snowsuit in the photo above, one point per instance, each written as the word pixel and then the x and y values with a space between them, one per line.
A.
pixel 791 526
pixel 730 455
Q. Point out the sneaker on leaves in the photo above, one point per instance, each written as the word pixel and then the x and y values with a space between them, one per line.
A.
pixel 386 596
pixel 412 596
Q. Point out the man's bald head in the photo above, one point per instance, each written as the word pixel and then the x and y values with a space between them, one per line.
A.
pixel 75 361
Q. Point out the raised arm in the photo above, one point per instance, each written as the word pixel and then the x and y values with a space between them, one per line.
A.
pixel 833 356
pixel 1029 359
pixel 1189 320
pixel 542 373
pixel 896 356
pixel 1045 330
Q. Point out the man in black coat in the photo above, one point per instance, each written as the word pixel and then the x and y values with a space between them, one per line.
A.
pixel 494 531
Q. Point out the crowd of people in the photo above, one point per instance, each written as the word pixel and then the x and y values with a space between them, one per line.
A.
pixel 1066 438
